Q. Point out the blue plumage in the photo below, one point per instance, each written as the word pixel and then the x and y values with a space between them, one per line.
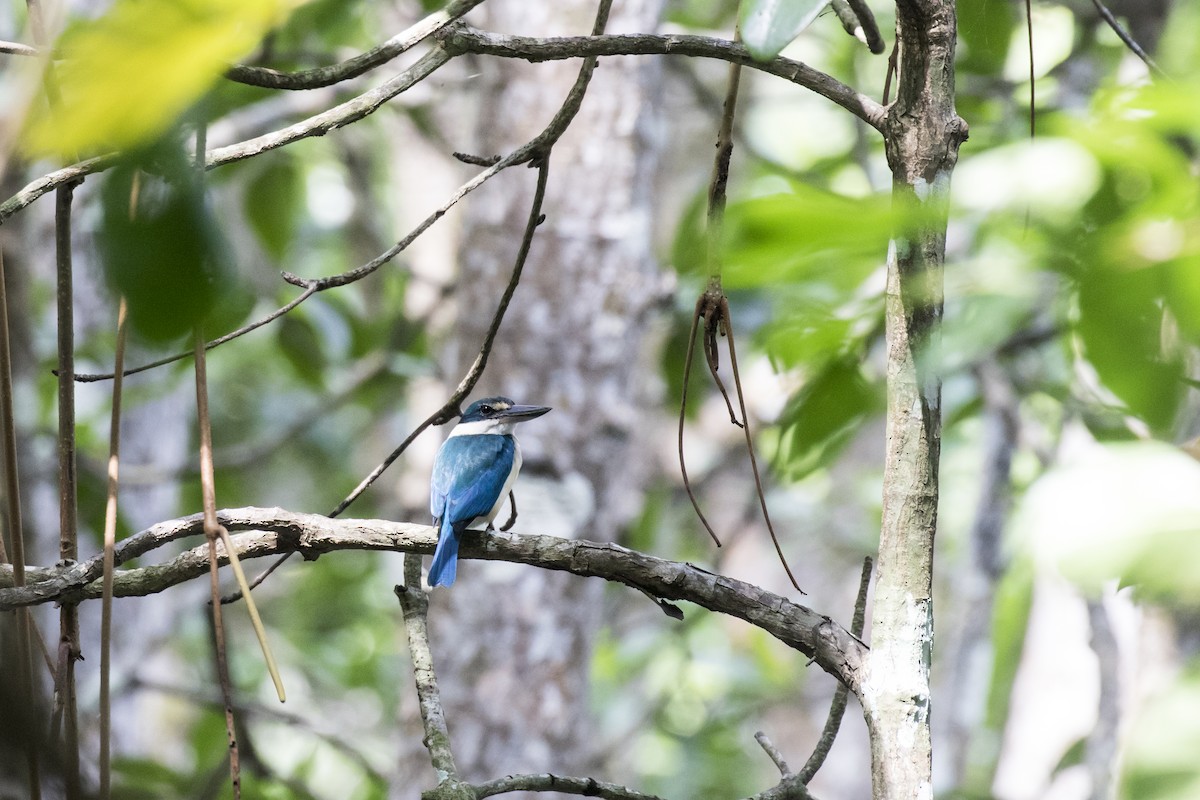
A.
pixel 472 476
pixel 468 480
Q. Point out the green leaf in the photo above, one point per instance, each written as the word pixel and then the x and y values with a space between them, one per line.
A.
pixel 1129 511
pixel 1160 761
pixel 823 415
pixel 1120 324
pixel 805 235
pixel 274 203
pixel 166 257
pixel 768 26
pixel 301 345
pixel 985 29
pixel 1183 295
pixel 128 75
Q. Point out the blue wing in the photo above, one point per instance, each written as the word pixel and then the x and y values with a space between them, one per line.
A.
pixel 468 477
pixel 444 567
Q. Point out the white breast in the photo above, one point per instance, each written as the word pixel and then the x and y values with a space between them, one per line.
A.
pixel 508 484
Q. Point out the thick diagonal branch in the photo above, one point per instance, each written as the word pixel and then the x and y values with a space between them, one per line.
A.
pixel 460 38
pixel 352 67
pixel 272 530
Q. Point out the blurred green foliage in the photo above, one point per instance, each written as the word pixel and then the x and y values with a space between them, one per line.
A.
pixel 1163 744
pixel 160 247
pixel 136 68
pixel 1073 264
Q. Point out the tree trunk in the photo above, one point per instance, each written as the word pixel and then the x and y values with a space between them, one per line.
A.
pixel 513 644
pixel 922 135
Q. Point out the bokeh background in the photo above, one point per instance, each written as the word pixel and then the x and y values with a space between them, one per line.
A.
pixel 1066 590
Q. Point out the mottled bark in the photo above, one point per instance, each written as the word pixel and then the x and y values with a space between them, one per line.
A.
pixel 922 136
pixel 513 644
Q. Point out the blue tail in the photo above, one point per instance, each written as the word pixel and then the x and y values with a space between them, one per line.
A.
pixel 444 568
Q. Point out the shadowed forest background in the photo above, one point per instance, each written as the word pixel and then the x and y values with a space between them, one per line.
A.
pixel 1065 664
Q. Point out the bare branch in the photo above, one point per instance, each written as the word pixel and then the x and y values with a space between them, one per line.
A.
pixel 451 407
pixel 108 558
pixel 773 753
pixel 536 151
pixel 414 604
pixel 274 531
pixel 794 786
pixel 460 38
pixel 242 331
pixel 859 22
pixel 339 116
pixel 456 39
pixel 17 49
pixel 563 784
pixel 52 180
pixel 214 532
pixel 1128 40
pixel 837 708
pixel 317 125
pixel 25 624
pixel 353 67
pixel 65 697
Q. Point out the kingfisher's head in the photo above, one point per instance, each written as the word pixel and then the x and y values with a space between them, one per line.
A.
pixel 497 415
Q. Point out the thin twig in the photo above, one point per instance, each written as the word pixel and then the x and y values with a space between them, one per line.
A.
pixel 212 530
pixel 563 784
pixel 762 499
pixel 713 306
pixel 713 235
pixel 68 544
pixel 109 556
pixel 461 39
pixel 718 185
pixel 110 530
pixel 451 407
pixel 242 331
pixel 717 198
pixel 870 29
pixel 414 605
pixel 12 491
pixel 209 492
pixel 773 753
pixel 17 49
pixel 208 487
pixel 687 373
pixel 837 708
pixel 353 67
pixel 892 66
pixel 1128 40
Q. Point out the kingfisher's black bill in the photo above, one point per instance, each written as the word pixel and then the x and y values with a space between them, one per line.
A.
pixel 523 413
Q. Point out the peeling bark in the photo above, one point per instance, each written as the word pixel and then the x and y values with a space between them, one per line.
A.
pixel 922 135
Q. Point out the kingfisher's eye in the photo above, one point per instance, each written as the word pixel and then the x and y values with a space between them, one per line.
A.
pixel 487 411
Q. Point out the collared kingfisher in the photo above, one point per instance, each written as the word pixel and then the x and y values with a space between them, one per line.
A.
pixel 472 475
